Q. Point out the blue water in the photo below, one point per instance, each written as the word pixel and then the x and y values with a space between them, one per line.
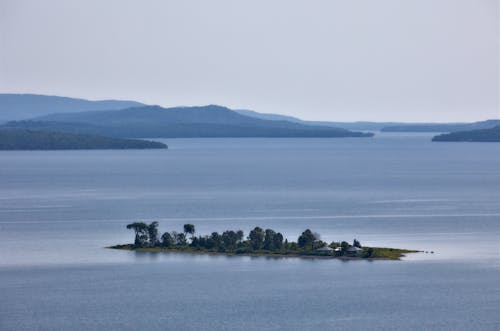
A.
pixel 58 209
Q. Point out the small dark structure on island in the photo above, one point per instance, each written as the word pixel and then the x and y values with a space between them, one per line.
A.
pixel 354 250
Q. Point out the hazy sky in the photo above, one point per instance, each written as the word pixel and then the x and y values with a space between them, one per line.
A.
pixel 404 60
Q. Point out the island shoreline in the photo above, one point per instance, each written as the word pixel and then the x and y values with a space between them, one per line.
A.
pixel 130 247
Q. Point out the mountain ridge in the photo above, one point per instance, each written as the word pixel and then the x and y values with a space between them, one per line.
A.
pixel 159 122
pixel 24 106
pixel 355 125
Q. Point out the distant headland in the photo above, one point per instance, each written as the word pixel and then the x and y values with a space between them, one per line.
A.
pixel 482 135
pixel 259 242
pixel 48 140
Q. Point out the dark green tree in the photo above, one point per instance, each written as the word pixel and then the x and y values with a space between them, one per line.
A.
pixel 306 239
pixel 202 241
pixel 256 238
pixel 167 240
pixel 141 233
pixel 344 246
pixel 229 239
pixel 153 233
pixel 278 241
pixel 240 235
pixel 189 229
pixel 356 243
pixel 269 239
pixel 216 239
pixel 180 239
pixel 334 244
pixel 195 242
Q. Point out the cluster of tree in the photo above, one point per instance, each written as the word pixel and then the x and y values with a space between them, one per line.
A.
pixel 258 240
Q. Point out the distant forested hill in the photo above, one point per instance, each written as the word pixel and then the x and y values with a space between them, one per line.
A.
pixel 484 135
pixel 23 106
pixel 359 125
pixel 46 140
pixel 155 121
pixel 19 107
pixel 442 127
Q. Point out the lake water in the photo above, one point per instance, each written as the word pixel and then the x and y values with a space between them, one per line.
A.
pixel 58 209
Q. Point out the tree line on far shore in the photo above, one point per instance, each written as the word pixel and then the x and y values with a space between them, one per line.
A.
pixel 229 241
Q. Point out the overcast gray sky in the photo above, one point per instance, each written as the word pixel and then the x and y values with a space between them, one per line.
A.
pixel 401 60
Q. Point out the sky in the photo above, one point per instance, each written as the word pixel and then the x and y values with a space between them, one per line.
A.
pixel 338 60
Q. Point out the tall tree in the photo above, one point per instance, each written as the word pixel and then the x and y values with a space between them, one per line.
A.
pixel 278 241
pixel 189 229
pixel 240 235
pixel 153 233
pixel 215 239
pixel 141 233
pixel 256 237
pixel 344 246
pixel 229 239
pixel 269 239
pixel 306 239
pixel 180 239
pixel 167 240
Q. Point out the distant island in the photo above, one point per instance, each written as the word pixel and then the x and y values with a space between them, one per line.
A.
pixel 47 140
pixel 484 135
pixel 258 243
pixel 441 127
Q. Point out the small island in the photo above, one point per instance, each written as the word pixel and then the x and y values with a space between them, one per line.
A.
pixel 259 242
pixel 483 135
pixel 20 139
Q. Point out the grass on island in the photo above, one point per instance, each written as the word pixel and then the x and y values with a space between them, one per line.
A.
pixel 389 253
pixel 380 253
pixel 258 243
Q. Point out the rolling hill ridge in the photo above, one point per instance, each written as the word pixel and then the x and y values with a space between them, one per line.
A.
pixel 158 122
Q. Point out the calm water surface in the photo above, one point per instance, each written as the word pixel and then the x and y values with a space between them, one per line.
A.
pixel 58 209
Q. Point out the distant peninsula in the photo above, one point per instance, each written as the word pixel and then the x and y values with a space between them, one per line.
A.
pixel 441 127
pixel 48 140
pixel 484 135
pixel 259 242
